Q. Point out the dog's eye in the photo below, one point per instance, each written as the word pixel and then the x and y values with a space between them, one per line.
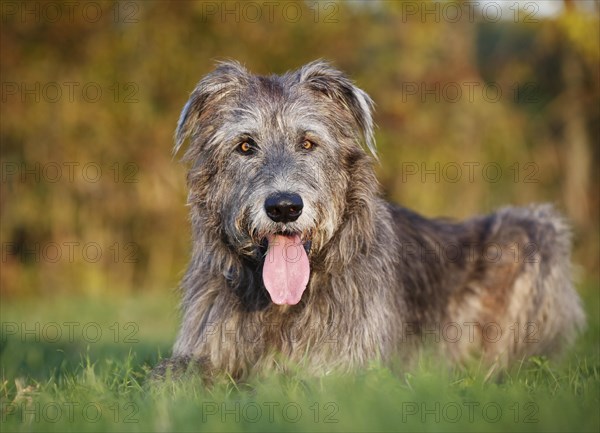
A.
pixel 308 145
pixel 245 148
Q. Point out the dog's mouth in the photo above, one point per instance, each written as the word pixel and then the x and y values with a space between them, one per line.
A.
pixel 286 268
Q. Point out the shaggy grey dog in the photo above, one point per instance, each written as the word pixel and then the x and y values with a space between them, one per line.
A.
pixel 296 257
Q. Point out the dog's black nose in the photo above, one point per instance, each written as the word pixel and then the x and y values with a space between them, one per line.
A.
pixel 284 207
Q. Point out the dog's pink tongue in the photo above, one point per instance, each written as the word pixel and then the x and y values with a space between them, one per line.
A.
pixel 286 269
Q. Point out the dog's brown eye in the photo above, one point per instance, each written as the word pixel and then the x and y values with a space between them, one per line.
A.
pixel 307 145
pixel 245 148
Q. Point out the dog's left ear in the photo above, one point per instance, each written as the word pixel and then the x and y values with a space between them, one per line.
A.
pixel 322 77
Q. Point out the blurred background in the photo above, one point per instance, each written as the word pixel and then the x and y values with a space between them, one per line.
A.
pixel 478 105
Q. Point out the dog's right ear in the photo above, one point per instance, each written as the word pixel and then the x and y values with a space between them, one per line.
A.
pixel 202 105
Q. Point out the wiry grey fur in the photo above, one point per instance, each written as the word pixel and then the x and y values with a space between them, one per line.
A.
pixel 383 279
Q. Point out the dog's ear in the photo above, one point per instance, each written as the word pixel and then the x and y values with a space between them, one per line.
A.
pixel 227 77
pixel 322 77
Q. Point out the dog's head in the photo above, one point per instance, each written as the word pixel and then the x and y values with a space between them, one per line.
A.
pixel 277 165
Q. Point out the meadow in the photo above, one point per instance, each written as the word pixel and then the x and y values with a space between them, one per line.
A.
pixel 81 364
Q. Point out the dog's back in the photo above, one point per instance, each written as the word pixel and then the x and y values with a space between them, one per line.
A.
pixel 499 285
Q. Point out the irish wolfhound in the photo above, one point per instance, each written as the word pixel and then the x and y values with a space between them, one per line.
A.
pixel 297 257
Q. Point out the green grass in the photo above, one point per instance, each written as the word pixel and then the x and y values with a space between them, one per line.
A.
pixel 84 381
